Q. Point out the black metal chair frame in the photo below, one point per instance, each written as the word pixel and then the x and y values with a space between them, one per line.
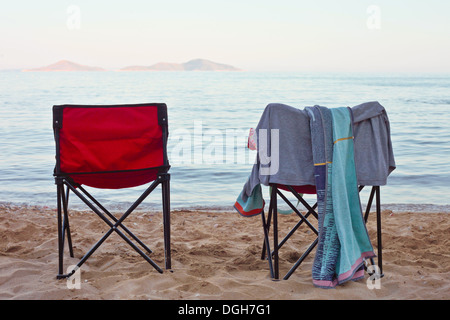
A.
pixel 65 184
pixel 272 218
pixel 112 222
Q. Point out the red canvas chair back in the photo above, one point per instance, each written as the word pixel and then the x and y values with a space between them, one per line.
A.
pixel 111 147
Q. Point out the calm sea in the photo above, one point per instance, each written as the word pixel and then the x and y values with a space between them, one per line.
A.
pixel 210 114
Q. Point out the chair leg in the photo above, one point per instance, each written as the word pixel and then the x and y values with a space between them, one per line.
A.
pixel 267 241
pixel 273 199
pixel 369 204
pixel 60 230
pixel 266 225
pixel 66 226
pixel 379 242
pixel 300 260
pixel 166 219
pixel 375 192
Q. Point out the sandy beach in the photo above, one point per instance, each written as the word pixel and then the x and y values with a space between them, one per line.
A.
pixel 215 255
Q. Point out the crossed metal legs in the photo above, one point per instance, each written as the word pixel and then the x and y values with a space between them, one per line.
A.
pixel 115 225
pixel 273 256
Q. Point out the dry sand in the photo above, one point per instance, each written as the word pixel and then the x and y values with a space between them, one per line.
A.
pixel 215 255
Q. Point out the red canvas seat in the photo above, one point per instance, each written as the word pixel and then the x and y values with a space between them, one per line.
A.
pixel 110 147
pixel 306 189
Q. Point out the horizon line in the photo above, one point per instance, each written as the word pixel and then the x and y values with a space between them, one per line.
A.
pixel 236 69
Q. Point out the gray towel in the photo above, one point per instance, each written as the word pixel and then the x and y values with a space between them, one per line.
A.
pixel 374 158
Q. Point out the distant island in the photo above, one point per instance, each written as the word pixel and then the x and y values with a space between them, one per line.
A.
pixel 192 65
pixel 65 65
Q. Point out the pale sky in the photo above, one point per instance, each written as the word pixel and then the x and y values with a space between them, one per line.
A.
pixel 254 35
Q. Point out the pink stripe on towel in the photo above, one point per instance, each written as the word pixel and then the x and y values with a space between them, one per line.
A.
pixel 352 274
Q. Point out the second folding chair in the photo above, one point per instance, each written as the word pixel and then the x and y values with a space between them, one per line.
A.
pixel 295 150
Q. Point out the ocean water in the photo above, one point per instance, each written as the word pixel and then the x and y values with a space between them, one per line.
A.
pixel 210 114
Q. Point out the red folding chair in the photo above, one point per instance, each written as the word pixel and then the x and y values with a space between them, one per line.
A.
pixel 110 147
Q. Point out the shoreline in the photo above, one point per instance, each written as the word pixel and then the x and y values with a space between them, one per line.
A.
pixel 215 256
pixel 394 207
